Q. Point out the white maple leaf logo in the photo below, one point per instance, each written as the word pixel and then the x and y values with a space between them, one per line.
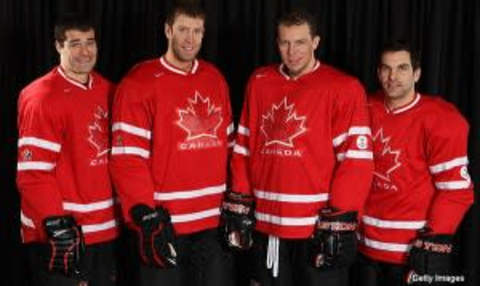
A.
pixel 282 124
pixel 98 131
pixel 386 159
pixel 200 119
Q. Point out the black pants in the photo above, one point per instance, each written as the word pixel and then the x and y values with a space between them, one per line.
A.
pixel 369 272
pixel 99 267
pixel 294 265
pixel 203 260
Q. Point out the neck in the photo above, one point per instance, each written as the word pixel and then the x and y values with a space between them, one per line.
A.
pixel 78 77
pixel 394 103
pixel 308 68
pixel 185 66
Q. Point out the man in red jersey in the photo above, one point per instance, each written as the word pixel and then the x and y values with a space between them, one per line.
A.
pixel 171 137
pixel 421 187
pixel 303 156
pixel 67 208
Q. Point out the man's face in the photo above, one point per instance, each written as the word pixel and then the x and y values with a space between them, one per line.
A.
pixel 396 74
pixel 78 53
pixel 185 37
pixel 296 46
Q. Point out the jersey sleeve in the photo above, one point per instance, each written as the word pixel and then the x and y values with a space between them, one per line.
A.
pixel 40 141
pixel 131 146
pixel 447 160
pixel 244 144
pixel 352 144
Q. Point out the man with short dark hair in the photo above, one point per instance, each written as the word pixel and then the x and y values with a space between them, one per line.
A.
pixel 301 166
pixel 421 187
pixel 67 206
pixel 171 136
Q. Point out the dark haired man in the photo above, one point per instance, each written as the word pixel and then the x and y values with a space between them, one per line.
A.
pixel 421 187
pixel 171 137
pixel 67 215
pixel 303 155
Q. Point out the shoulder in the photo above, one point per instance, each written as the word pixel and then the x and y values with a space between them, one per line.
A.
pixel 441 116
pixel 210 69
pixel 143 71
pixel 264 74
pixel 338 79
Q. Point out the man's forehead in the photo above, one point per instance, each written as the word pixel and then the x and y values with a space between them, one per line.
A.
pixel 294 31
pixel 186 20
pixel 396 57
pixel 76 34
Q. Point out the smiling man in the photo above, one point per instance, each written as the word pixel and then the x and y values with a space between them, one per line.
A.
pixel 171 138
pixel 421 187
pixel 303 158
pixel 63 179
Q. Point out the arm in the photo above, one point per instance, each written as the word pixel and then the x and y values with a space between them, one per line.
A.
pixel 131 147
pixel 39 145
pixel 447 161
pixel 352 144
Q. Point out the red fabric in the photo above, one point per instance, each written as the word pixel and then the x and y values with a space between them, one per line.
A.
pixel 302 144
pixel 63 155
pixel 420 176
pixel 180 153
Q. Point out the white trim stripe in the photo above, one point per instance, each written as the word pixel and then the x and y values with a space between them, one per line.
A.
pixel 41 143
pixel 354 130
pixel 291 198
pixel 241 150
pixel 179 218
pixel 42 166
pixel 176 70
pixel 85 208
pixel 89 84
pixel 230 128
pixel 189 194
pixel 243 130
pixel 355 154
pixel 452 185
pixel 88 228
pixel 132 129
pixel 393 224
pixel 448 165
pixel 231 144
pixel 387 246
pixel 26 221
pixel 287 221
pixel 408 106
pixel 129 150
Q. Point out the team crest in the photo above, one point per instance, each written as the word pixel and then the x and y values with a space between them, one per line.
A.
pixel 200 120
pixel 387 160
pixel 282 124
pixel 98 133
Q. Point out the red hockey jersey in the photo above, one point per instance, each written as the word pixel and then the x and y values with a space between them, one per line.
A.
pixel 421 177
pixel 170 142
pixel 63 150
pixel 302 144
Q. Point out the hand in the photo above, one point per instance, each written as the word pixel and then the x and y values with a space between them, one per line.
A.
pixel 334 244
pixel 156 239
pixel 237 212
pixel 66 245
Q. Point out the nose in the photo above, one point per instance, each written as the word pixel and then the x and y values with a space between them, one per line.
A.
pixel 392 75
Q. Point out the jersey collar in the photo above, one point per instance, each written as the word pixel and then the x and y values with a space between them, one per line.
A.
pixel 282 67
pixel 171 68
pixel 87 86
pixel 405 107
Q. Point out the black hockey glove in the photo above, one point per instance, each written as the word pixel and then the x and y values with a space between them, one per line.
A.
pixel 334 244
pixel 66 245
pixel 431 254
pixel 237 213
pixel 156 238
